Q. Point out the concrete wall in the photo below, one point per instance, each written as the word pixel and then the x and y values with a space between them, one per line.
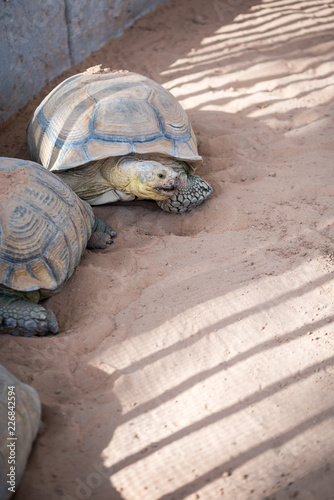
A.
pixel 41 38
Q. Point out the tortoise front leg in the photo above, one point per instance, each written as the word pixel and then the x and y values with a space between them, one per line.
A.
pixel 21 317
pixel 102 235
pixel 191 193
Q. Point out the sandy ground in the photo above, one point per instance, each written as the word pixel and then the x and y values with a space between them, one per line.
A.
pixel 195 359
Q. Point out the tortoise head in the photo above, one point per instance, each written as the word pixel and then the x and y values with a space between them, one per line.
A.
pixel 146 179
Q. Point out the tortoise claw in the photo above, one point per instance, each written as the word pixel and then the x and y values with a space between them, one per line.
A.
pixel 102 235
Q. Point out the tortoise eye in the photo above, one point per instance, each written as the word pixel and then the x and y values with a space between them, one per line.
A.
pixel 161 176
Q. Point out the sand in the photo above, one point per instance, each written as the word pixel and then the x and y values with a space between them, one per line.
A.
pixel 195 359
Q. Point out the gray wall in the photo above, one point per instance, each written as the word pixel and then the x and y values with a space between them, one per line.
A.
pixel 39 39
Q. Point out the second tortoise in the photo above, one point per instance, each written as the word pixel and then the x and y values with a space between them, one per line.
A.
pixel 44 230
pixel 117 136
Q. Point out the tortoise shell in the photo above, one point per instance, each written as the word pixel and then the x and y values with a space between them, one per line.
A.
pixel 44 227
pixel 21 403
pixel 91 116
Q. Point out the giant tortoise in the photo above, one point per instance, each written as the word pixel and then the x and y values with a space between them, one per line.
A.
pixel 44 230
pixel 117 135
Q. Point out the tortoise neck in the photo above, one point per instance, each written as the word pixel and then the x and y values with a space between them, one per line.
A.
pixel 86 181
pixel 118 173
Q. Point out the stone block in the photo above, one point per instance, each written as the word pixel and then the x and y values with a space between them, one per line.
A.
pixel 92 23
pixel 39 39
pixel 34 49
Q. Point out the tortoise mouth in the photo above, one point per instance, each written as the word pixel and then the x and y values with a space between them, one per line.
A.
pixel 167 191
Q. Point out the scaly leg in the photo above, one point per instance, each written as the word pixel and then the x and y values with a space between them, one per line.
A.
pixel 21 317
pixel 191 193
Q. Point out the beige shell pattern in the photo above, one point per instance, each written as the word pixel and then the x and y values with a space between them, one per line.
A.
pixel 44 227
pixel 26 415
pixel 93 116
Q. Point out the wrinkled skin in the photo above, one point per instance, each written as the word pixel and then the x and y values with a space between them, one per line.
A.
pixel 145 179
pixel 166 180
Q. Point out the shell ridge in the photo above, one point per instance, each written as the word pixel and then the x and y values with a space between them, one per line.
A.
pixel 174 148
pixel 59 229
pixel 151 139
pixel 59 87
pixel 30 271
pixel 8 275
pixel 64 150
pixel 165 133
pixel 50 269
pixel 189 133
pixel 92 121
pixel 88 94
pixel 44 125
pixel 100 138
pixel 20 260
pixel 57 193
pixel 37 209
pixel 88 158
pixel 180 139
pixel 60 143
pixel 82 247
pixel 68 246
pixel 70 260
pixel 50 243
pixel 16 260
pixel 78 239
pixel 87 215
pixel 160 120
